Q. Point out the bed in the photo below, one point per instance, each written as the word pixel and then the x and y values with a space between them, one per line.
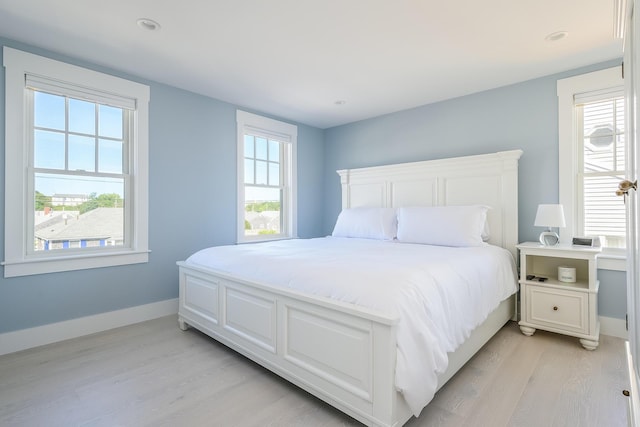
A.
pixel 343 352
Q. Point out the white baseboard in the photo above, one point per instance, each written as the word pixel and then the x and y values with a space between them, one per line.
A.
pixel 614 327
pixel 40 335
pixel 11 342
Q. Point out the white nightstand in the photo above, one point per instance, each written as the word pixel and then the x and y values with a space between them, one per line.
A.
pixel 552 305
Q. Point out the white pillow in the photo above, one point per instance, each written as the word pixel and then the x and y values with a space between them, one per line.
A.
pixel 486 231
pixel 367 223
pixel 443 225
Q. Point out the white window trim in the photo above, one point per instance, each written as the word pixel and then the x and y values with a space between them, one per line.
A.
pixel 568 153
pixel 17 263
pixel 267 126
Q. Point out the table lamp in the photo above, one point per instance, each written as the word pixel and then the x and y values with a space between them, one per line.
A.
pixel 549 216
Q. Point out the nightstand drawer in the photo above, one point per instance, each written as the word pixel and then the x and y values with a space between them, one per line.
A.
pixel 566 310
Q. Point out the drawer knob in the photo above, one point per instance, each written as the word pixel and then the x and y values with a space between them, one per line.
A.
pixel 555 308
pixel 626 393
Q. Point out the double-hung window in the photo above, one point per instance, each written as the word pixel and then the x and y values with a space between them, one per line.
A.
pixel 76 167
pixel 592 159
pixel 601 138
pixel 266 178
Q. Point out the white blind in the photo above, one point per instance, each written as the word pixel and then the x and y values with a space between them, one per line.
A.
pixel 55 87
pixel 602 136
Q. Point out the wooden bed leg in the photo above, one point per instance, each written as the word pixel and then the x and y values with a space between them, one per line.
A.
pixel 182 324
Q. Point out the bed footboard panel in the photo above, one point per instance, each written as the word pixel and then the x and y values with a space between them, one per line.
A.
pixel 346 362
pixel 199 297
pixel 250 316
pixel 333 351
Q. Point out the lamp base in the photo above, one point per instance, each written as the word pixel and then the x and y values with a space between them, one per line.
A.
pixel 549 238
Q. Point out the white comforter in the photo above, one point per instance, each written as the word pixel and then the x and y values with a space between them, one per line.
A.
pixel 440 294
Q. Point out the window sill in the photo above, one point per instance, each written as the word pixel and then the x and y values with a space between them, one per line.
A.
pixel 72 262
pixel 272 239
pixel 616 261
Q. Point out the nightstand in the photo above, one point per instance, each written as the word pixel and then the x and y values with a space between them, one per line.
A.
pixel 554 305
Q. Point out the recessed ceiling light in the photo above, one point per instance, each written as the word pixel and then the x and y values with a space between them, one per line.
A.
pixel 148 24
pixel 558 35
pixel 340 102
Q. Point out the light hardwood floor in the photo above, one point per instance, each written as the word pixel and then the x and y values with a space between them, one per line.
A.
pixel 153 374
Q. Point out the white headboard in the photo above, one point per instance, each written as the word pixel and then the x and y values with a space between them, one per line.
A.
pixel 487 179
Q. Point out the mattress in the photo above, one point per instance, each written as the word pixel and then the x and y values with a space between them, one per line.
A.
pixel 439 294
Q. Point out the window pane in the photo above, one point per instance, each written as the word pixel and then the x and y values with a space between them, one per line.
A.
pixel 274 174
pixel 82 153
pixel 110 121
pixel 604 213
pixel 69 209
pixel 249 177
pixel 598 114
pixel 604 163
pixel 599 132
pixel 261 148
pixel 620 114
pixel 110 156
pixel 620 130
pixel 598 159
pixel 48 150
pixel 48 110
pixel 82 116
pixel 620 162
pixel 261 172
pixel 248 146
pixel 262 211
pixel 274 151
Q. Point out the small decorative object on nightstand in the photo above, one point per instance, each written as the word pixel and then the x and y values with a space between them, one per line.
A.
pixel 549 216
pixel 568 306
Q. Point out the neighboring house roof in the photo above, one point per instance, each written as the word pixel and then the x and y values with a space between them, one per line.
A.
pixel 70 196
pixel 100 223
pixel 264 214
pixel 43 220
pixel 267 218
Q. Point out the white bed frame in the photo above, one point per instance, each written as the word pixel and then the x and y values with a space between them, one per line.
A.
pixel 339 352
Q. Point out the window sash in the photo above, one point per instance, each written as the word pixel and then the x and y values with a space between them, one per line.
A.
pixel 125 176
pixel 280 161
pixel 600 212
pixel 127 134
pixel 282 180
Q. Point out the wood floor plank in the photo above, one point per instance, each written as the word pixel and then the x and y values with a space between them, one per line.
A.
pixel 548 383
pixel 504 391
pixel 153 374
pixel 462 392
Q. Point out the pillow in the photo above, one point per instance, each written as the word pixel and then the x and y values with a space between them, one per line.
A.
pixel 486 231
pixel 443 225
pixel 367 223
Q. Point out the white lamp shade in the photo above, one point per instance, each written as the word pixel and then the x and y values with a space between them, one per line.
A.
pixel 550 216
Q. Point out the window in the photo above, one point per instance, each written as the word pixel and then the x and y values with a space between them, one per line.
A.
pixel 78 171
pixel 601 167
pixel 77 151
pixel 592 158
pixel 266 178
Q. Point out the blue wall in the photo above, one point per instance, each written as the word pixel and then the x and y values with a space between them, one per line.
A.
pixel 192 184
pixel 520 116
pixel 192 204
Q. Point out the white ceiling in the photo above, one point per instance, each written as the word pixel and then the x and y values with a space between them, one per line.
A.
pixel 296 58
